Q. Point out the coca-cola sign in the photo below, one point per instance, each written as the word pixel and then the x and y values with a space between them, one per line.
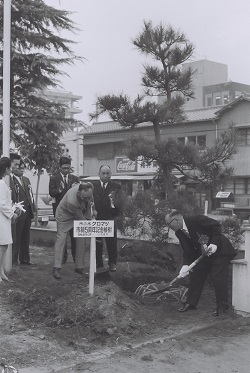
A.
pixel 125 165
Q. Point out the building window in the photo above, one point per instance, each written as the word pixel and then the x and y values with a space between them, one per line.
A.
pixel 105 151
pixel 237 94
pixel 209 101
pixel 191 140
pixel 217 99
pixel 181 140
pixel 119 149
pixel 240 187
pixel 225 99
pixel 201 141
pixel 243 136
pixel 195 140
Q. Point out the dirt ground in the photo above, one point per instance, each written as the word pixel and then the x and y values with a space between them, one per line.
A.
pixel 55 324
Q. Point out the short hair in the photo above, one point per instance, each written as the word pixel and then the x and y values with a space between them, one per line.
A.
pixel 173 213
pixel 85 186
pixel 104 165
pixel 5 163
pixel 64 160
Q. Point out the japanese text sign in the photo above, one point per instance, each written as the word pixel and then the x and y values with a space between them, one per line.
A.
pixel 93 228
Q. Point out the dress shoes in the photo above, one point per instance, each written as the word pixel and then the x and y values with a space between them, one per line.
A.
pixel 27 263
pixel 222 309
pixel 56 273
pixel 112 267
pixel 186 307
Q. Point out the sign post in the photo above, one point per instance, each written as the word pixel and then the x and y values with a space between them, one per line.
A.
pixel 93 229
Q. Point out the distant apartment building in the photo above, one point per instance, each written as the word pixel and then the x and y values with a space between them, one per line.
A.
pixel 70 138
pixel 211 85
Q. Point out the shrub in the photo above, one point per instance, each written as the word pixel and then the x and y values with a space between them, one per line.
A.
pixel 231 228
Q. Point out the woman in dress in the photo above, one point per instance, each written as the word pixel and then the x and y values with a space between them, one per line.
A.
pixel 6 213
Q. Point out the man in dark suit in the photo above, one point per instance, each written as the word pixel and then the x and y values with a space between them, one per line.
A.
pixel 22 193
pixel 198 233
pixel 59 184
pixel 108 204
pixel 15 162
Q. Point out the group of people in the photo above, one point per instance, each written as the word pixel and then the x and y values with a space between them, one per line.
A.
pixel 16 212
pixel 75 199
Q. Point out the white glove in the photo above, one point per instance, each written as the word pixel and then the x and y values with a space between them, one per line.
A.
pixel 184 271
pixel 211 249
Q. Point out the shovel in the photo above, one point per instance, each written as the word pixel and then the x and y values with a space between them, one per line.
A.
pixel 156 288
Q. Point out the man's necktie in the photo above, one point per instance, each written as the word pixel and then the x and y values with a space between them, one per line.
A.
pixel 65 181
pixel 104 186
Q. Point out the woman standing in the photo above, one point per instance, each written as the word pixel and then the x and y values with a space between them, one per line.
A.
pixel 6 213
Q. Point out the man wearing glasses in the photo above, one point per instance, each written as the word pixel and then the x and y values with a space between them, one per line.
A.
pixel 59 184
pixel 196 234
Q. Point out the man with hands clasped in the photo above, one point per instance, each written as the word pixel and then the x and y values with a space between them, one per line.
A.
pixel 196 234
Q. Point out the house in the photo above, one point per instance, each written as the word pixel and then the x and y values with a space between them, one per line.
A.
pixel 104 143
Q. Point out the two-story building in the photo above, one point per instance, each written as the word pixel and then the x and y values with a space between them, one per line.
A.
pixel 104 143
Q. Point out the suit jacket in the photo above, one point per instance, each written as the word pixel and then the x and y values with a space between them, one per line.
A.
pixel 102 200
pixel 57 188
pixel 71 208
pixel 203 229
pixel 23 192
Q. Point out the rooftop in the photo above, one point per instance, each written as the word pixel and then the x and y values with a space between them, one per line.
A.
pixel 202 114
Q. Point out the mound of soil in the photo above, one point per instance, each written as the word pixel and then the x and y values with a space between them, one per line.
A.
pixel 61 318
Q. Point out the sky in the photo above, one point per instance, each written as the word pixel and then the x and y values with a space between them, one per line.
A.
pixel 219 30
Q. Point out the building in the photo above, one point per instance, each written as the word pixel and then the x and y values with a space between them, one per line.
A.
pixel 71 140
pixel 104 143
pixel 211 85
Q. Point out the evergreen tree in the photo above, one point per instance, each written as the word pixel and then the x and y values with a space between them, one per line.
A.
pixel 170 49
pixel 37 54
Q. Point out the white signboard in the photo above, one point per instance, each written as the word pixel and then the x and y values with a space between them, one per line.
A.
pixel 223 194
pixel 93 228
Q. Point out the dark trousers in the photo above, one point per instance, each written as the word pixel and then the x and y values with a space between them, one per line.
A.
pixel 20 248
pixel 217 267
pixel 111 244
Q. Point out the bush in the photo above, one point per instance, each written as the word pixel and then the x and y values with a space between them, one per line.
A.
pixel 231 228
pixel 144 214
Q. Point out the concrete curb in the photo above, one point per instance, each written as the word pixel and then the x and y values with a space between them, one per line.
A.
pixel 108 352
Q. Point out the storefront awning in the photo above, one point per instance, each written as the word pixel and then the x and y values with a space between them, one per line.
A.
pixel 123 177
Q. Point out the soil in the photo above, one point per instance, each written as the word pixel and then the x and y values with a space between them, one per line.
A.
pixel 49 323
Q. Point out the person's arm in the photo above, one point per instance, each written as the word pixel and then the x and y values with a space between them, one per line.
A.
pixel 54 187
pixel 5 206
pixel 76 211
pixel 212 225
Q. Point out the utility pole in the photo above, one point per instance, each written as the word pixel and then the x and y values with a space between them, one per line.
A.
pixel 6 98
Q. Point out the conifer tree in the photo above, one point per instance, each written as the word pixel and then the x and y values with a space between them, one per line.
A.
pixel 38 54
pixel 169 49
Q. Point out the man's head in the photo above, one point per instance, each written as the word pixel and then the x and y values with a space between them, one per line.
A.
pixel 18 171
pixel 65 165
pixel 15 161
pixel 85 191
pixel 174 220
pixel 105 173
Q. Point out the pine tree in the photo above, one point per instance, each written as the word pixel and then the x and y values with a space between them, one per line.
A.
pixel 170 49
